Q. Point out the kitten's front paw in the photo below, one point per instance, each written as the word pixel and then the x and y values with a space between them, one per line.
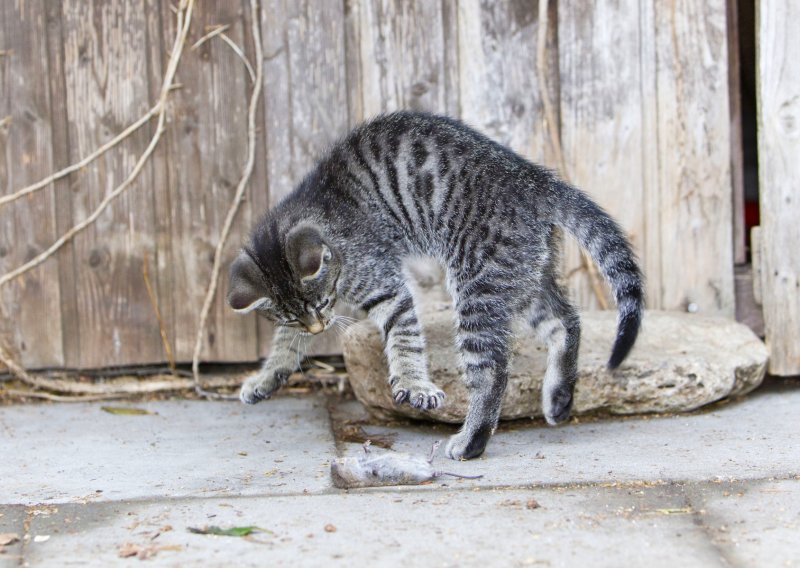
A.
pixel 420 394
pixel 261 385
pixel 467 445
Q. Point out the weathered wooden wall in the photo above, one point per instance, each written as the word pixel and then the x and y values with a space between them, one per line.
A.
pixel 641 86
pixel 779 183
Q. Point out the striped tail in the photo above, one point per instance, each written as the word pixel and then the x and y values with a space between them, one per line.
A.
pixel 605 242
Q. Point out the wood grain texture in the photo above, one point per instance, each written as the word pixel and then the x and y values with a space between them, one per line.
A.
pixel 498 87
pixel 33 302
pixel 401 53
pixel 644 106
pixel 642 90
pixel 160 265
pixel 779 179
pixel 602 128
pixel 307 104
pixel 207 149
pixel 106 88
pixel 694 178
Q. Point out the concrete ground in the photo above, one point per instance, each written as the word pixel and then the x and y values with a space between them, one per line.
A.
pixel 81 486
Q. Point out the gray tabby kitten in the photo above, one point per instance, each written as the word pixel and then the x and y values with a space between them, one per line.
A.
pixel 409 184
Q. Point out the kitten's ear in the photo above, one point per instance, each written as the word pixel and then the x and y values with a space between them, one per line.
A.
pixel 245 292
pixel 307 251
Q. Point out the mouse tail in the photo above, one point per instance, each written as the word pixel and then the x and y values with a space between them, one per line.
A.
pixel 458 475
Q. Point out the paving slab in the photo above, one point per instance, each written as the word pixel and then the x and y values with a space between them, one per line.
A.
pixel 754 524
pixel 595 526
pixel 12 521
pixel 78 452
pixel 746 439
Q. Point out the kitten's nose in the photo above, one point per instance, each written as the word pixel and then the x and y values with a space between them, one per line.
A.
pixel 316 327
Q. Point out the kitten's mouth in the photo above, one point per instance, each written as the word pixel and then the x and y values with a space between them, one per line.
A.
pixel 317 327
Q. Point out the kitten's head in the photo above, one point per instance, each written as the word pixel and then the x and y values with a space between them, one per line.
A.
pixel 291 280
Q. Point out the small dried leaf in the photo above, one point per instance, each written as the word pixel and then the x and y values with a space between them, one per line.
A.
pixel 124 410
pixel 8 538
pixel 532 504
pixel 232 531
pixel 330 528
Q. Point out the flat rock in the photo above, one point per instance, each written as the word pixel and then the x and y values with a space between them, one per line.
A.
pixel 680 363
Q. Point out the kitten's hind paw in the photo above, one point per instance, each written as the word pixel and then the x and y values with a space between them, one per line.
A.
pixel 558 405
pixel 467 445
pixel 261 386
pixel 423 395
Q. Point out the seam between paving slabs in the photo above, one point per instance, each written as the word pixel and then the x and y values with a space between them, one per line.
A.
pixel 702 520
pixel 431 488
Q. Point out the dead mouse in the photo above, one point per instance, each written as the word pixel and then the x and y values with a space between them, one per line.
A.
pixel 373 469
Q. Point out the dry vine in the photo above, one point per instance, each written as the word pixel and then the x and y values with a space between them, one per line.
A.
pixel 555 139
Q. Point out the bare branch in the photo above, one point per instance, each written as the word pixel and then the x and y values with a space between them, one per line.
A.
pixel 215 31
pixel 238 51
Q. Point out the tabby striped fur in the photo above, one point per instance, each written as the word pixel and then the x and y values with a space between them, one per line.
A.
pixel 410 184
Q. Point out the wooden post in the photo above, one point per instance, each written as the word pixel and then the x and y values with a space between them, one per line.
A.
pixel 778 92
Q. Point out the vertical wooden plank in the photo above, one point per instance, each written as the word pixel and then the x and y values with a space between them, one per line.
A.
pixel 452 93
pixel 161 264
pixel 64 187
pixel 603 134
pixel 779 179
pixel 28 226
pixel 306 96
pixel 352 50
pixel 651 199
pixel 207 140
pixel 107 89
pixel 694 156
pixel 403 57
pixel 258 190
pixel 499 90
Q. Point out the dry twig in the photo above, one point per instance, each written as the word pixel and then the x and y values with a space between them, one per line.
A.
pixel 220 31
pixel 59 397
pixel 234 207
pixel 555 139
pixel 240 52
pixel 215 31
pixel 120 387
pixel 85 161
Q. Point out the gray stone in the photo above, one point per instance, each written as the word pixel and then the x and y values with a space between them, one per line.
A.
pixel 680 362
